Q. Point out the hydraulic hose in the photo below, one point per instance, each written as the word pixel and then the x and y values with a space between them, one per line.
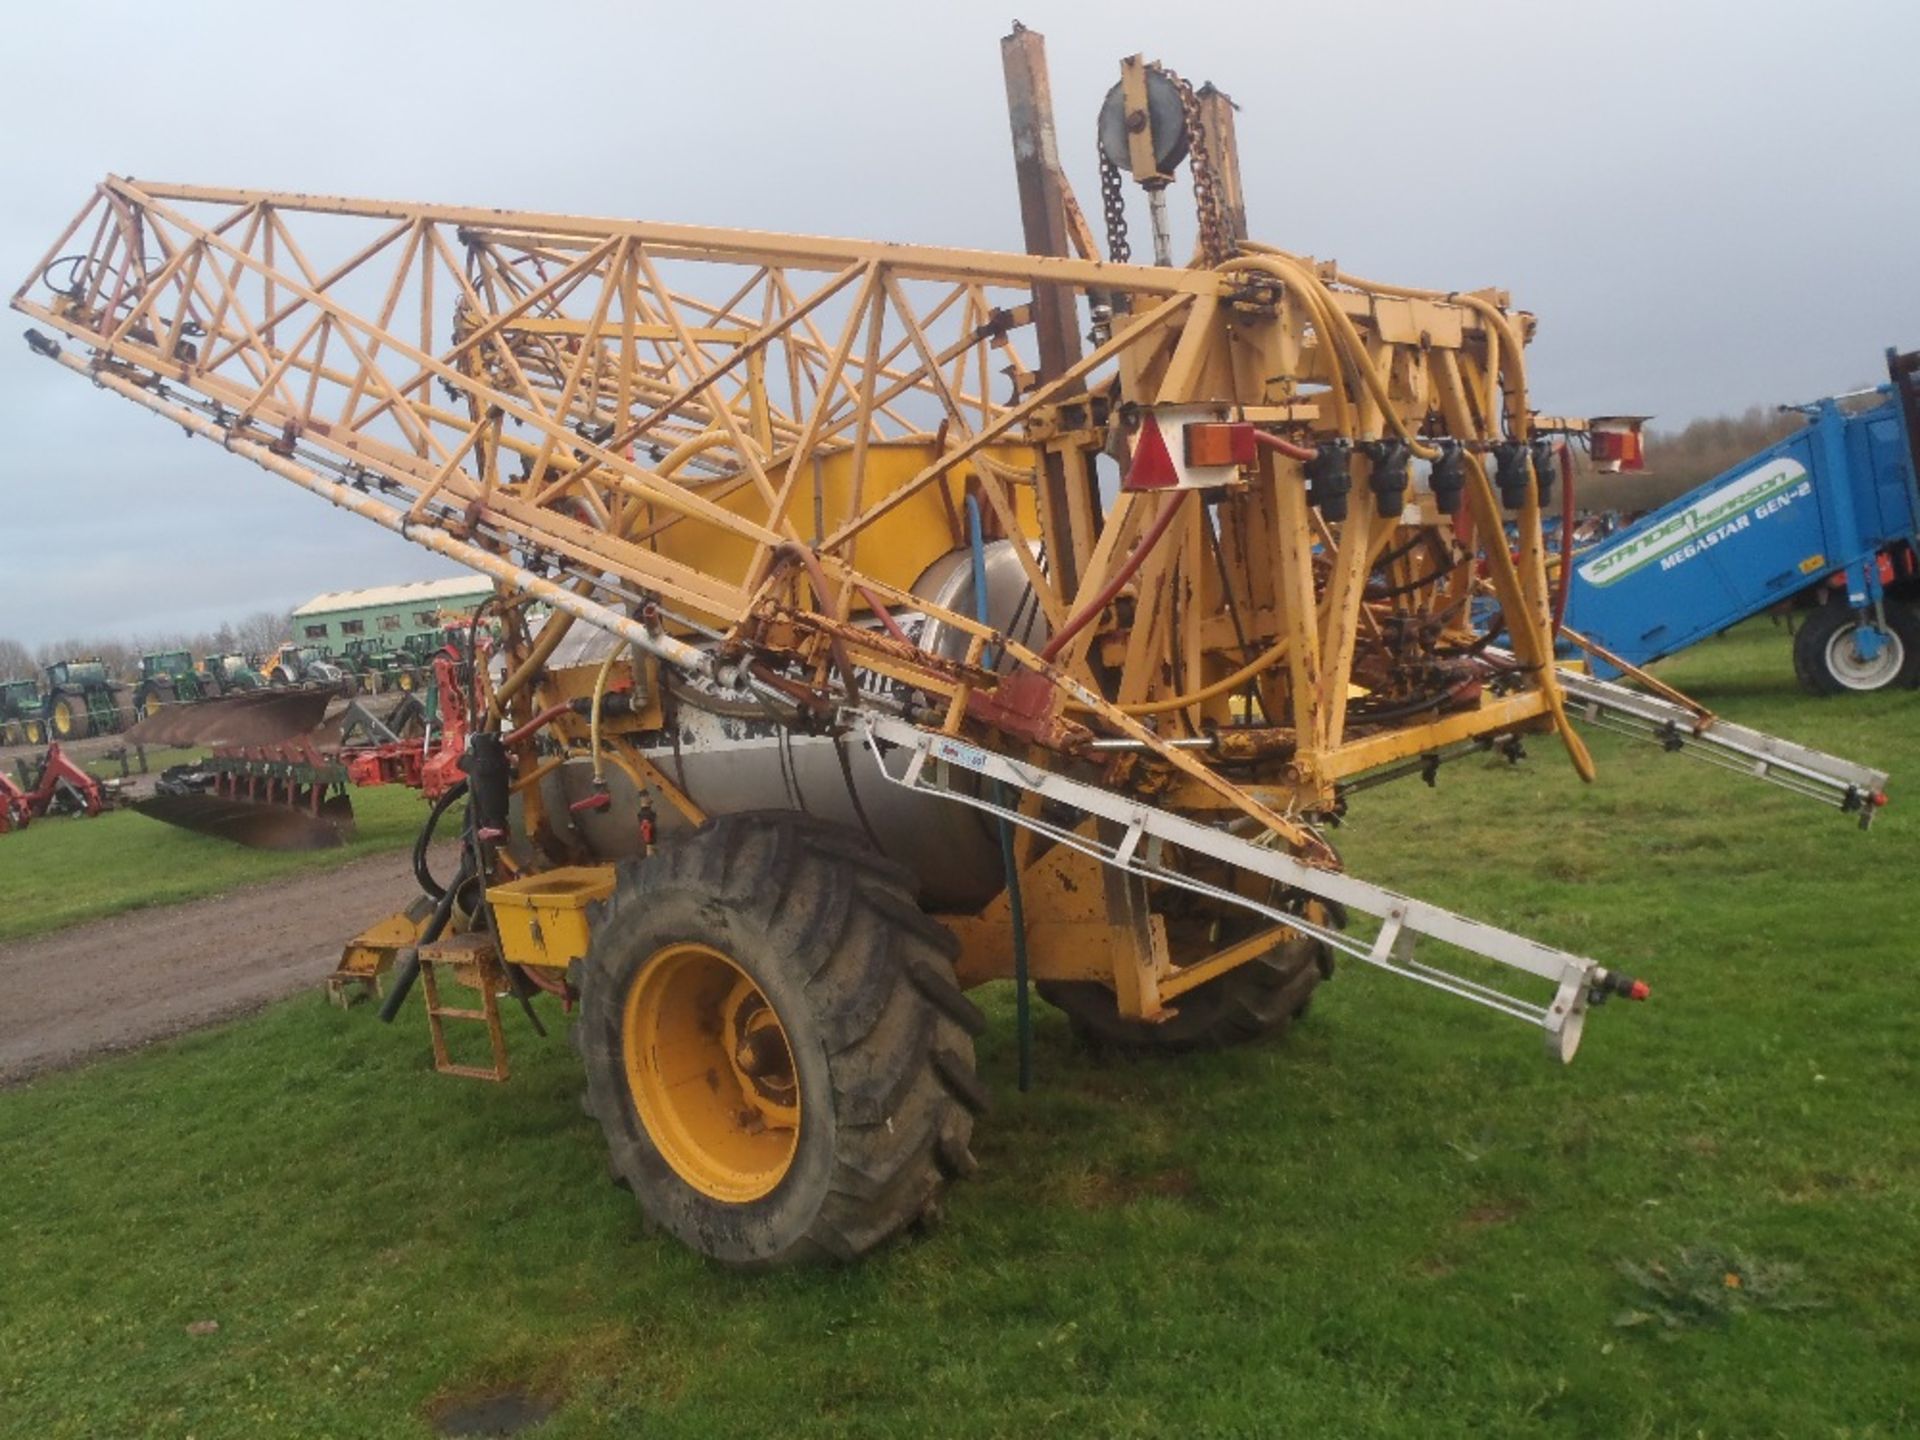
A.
pixel 1563 582
pixel 593 718
pixel 1285 447
pixel 1207 692
pixel 1091 611
pixel 1009 863
pixel 409 970
pixel 1339 330
pixel 1512 361
pixel 421 872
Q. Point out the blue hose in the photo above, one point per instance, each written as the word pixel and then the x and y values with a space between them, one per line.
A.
pixel 1022 1003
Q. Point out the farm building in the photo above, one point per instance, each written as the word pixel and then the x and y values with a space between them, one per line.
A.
pixel 389 614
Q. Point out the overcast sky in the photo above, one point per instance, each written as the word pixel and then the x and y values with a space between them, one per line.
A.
pixel 1709 204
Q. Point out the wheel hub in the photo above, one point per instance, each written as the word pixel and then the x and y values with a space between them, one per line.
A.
pixel 711 1072
pixel 1860 672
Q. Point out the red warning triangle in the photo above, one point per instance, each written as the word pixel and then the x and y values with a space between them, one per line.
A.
pixel 1153 467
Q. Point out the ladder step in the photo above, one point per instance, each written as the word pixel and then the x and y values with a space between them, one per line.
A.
pixel 476 951
pixel 472 1072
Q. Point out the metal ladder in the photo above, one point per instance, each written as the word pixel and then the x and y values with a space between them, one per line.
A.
pixel 1142 832
pixel 475 954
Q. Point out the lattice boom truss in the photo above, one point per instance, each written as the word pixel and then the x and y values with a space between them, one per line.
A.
pixel 664 428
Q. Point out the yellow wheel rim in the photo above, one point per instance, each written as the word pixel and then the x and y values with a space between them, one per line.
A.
pixel 406 680
pixel 152 706
pixel 711 1073
pixel 62 718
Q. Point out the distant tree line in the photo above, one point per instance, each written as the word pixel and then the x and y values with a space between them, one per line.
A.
pixel 259 632
pixel 1703 449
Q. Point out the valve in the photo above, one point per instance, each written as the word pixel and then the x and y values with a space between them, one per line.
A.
pixel 486 767
pixel 597 801
pixel 1543 470
pixel 1330 474
pixel 1388 476
pixel 1510 473
pixel 1448 478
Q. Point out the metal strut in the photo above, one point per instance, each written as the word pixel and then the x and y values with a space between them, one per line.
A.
pixel 1144 831
pixel 1855 789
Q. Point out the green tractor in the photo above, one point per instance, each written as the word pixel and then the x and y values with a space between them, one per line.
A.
pixel 21 721
pixel 79 700
pixel 379 666
pixel 166 678
pixel 224 674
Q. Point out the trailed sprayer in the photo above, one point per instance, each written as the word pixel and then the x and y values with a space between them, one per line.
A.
pixel 879 620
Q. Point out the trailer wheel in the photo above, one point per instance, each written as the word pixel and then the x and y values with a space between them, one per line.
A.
pixel 68 716
pixel 1259 1000
pixel 774 1043
pixel 1827 663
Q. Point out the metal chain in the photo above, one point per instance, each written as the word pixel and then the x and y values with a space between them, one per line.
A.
pixel 1216 240
pixel 1114 201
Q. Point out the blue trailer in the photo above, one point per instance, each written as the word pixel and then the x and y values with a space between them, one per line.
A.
pixel 1827 519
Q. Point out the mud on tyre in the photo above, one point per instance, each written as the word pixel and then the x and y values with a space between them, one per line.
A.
pixel 774 1044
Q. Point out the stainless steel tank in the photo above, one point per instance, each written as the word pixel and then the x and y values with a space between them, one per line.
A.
pixel 729 756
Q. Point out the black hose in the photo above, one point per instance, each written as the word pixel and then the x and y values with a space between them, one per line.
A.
pixel 421 873
pixel 409 970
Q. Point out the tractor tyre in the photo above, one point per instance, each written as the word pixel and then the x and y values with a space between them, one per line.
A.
pixel 774 1043
pixel 1258 1000
pixel 1826 663
pixel 407 681
pixel 36 730
pixel 68 716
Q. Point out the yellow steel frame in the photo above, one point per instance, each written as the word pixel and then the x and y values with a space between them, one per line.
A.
pixel 769 436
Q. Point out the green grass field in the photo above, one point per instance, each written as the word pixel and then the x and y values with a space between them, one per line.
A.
pixel 60 870
pixel 1401 1222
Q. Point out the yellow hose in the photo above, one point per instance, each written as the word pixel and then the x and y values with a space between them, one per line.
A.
pixel 1207 692
pixel 593 715
pixel 1511 360
pixel 1340 332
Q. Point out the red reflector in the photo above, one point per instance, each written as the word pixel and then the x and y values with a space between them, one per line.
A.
pixel 1639 991
pixel 1153 467
pixel 1620 447
pixel 1219 443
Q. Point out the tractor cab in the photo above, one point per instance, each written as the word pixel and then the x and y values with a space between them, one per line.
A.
pixel 167 677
